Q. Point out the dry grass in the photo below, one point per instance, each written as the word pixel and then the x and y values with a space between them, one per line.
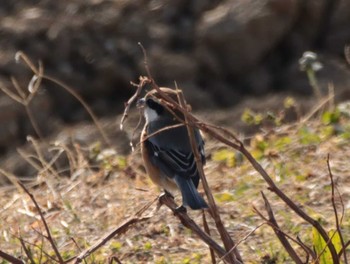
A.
pixel 102 190
pixel 80 209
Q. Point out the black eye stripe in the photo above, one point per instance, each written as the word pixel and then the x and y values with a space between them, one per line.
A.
pixel 155 106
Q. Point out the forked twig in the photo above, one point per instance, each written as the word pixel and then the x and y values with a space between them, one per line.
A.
pixel 280 235
pixel 142 82
pixel 243 239
pixel 307 250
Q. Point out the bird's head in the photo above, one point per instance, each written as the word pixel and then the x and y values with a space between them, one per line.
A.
pixel 153 109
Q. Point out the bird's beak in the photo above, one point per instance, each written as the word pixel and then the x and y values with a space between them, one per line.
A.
pixel 141 103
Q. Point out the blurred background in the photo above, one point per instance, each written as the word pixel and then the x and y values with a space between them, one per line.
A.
pixel 219 52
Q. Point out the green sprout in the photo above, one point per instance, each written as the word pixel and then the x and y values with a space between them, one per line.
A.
pixel 310 64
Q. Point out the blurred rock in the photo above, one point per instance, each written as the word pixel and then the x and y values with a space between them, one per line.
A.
pixel 16 124
pixel 217 51
pixel 241 33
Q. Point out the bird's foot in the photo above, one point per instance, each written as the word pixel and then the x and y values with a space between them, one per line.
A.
pixel 168 194
pixel 180 209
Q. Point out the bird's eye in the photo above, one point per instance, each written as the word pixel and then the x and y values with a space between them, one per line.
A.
pixel 155 106
pixel 150 103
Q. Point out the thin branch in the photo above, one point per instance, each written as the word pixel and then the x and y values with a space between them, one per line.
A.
pixel 344 248
pixel 128 104
pixel 160 131
pixel 207 230
pixel 26 250
pixel 83 103
pixel 33 122
pixel 10 258
pixel 337 222
pixel 282 238
pixel 49 237
pixel 308 250
pixel 238 145
pixel 226 239
pixel 297 241
pixel 190 224
pixel 243 239
pixel 21 56
pixel 272 186
pixel 28 253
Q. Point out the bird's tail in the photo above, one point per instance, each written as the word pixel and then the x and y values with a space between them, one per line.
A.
pixel 190 195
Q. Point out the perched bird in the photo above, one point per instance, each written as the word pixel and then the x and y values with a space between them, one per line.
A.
pixel 167 155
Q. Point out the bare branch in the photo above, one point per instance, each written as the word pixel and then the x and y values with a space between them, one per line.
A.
pixel 226 239
pixel 306 249
pixel 10 258
pixel 189 223
pixel 128 104
pixel 207 230
pixel 344 248
pixel 244 239
pixel 285 243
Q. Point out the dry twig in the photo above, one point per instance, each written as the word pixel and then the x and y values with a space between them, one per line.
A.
pixel 189 223
pixel 33 87
pixel 227 240
pixel 280 235
pixel 48 236
pixel 337 221
pixel 207 230
pixel 10 258
pixel 137 218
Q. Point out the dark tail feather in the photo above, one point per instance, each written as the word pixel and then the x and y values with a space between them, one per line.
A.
pixel 190 195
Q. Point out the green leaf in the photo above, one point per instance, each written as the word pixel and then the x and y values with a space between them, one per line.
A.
pixel 335 237
pixel 251 118
pixel 224 197
pixel 225 155
pixel 307 137
pixel 320 247
pixel 148 246
pixel 331 117
pixel 283 142
pixel 289 102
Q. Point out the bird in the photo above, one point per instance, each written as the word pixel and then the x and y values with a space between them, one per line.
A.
pixel 167 155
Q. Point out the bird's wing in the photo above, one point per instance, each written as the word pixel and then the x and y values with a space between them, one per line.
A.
pixel 173 162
